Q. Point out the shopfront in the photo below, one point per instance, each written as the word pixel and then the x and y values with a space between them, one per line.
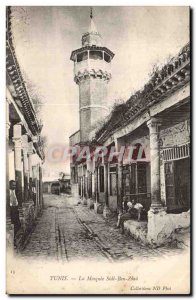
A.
pixel 177 178
pixel 136 182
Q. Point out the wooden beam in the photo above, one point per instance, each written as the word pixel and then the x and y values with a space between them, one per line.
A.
pixel 174 99
pixel 11 100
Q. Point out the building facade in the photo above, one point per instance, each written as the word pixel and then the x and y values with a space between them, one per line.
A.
pixel 155 123
pixel 24 152
pixel 58 185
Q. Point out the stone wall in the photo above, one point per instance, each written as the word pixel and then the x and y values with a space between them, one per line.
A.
pixel 92 91
pixel 27 215
pixel 162 227
pixel 137 230
pixel 176 135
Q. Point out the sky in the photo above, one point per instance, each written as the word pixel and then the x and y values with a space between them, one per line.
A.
pixel 45 36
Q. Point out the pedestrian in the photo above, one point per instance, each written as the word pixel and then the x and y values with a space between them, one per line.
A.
pixel 14 212
pixel 124 204
pixel 34 192
pixel 125 216
pixel 139 207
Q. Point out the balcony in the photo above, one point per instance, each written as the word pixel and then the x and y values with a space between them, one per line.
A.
pixel 90 64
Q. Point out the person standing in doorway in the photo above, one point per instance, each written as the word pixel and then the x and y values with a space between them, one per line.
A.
pixel 14 212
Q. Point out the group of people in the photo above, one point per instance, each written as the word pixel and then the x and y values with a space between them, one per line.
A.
pixel 131 209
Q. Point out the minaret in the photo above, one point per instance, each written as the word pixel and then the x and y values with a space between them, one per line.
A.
pixel 92 72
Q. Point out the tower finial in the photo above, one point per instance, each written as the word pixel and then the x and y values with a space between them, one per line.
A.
pixel 91 14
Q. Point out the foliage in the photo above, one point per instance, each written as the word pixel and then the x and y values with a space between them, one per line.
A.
pixel 43 141
pixel 123 112
pixel 34 93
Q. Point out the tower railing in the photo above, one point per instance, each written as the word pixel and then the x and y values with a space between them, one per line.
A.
pixel 90 64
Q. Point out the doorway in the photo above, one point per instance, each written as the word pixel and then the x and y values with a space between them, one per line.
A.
pixel 177 181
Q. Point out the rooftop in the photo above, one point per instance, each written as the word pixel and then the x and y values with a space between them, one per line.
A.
pixel 16 78
pixel 175 74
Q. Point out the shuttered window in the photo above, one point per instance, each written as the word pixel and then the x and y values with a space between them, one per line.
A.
pixel 101 179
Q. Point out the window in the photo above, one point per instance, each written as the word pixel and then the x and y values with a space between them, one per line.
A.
pixel 141 178
pixel 107 58
pixel 74 175
pixel 177 185
pixel 176 152
pixel 82 56
pixel 182 183
pixel 126 180
pixel 96 55
pixel 85 186
pixel 90 185
pixel 133 179
pixel 138 182
pixel 170 185
pixel 101 179
pixel 79 186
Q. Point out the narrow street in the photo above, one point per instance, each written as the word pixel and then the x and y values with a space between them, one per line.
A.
pixel 67 232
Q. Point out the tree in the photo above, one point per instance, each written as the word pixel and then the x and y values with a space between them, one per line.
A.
pixel 34 93
pixel 43 141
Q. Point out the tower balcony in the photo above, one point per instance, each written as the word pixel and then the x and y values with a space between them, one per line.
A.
pixel 92 64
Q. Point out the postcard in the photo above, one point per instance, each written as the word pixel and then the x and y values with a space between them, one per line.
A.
pixel 98 157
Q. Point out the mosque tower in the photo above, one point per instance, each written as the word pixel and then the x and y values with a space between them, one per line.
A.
pixel 92 73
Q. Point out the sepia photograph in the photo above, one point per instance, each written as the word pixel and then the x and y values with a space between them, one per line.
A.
pixel 98 150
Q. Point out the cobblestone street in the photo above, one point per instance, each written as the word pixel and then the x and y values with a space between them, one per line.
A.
pixel 66 231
